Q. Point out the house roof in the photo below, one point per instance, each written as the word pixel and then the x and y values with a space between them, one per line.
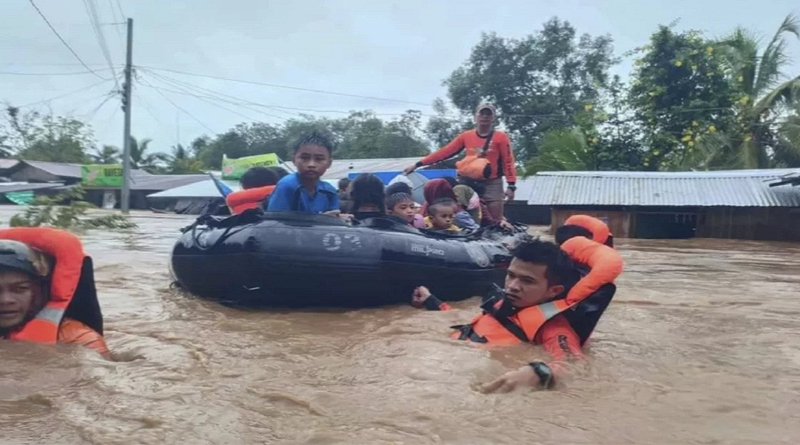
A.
pixel 9 187
pixel 737 188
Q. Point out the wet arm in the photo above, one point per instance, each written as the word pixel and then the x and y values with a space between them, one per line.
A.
pixel 561 343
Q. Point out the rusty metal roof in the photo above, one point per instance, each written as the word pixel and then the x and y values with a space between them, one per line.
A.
pixel 736 188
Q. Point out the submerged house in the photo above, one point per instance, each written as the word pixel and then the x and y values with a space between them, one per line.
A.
pixel 36 177
pixel 739 204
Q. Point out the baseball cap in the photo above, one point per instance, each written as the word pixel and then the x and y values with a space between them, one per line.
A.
pixel 486 106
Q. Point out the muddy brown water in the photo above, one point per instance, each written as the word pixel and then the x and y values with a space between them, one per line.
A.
pixel 699 346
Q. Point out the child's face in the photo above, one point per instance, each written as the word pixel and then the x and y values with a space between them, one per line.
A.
pixel 405 210
pixel 443 218
pixel 312 161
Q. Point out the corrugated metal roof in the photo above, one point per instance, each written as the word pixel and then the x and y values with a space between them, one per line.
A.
pixel 9 187
pixel 201 189
pixel 63 170
pixel 164 182
pixel 5 164
pixel 744 188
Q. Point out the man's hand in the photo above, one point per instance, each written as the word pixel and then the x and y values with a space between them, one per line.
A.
pixel 346 217
pixel 512 380
pixel 410 169
pixel 419 296
pixel 509 195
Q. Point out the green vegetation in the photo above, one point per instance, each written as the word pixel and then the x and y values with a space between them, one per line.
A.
pixel 67 210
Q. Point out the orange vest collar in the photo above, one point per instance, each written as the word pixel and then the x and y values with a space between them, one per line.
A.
pixel 599 229
pixel 243 200
pixel 67 251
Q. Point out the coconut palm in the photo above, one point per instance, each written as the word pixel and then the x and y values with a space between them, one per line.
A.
pixel 108 155
pixel 562 150
pixel 765 94
pixel 140 159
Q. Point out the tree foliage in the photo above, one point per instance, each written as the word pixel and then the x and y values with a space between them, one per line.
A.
pixel 67 210
pixel 539 82
pixel 38 137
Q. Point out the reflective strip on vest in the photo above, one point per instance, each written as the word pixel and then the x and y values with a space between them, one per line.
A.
pixel 51 314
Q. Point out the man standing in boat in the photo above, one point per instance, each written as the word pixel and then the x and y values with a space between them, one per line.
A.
pixel 488 158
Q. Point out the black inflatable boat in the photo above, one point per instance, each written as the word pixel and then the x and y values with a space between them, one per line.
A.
pixel 299 260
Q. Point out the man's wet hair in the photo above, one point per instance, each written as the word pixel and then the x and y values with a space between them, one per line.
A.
pixel 439 204
pixel 398 187
pixel 343 184
pixel 258 177
pixel 314 138
pixel 280 171
pixel 570 231
pixel 396 198
pixel 560 269
pixel 367 189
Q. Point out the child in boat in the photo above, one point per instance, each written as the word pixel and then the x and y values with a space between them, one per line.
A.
pixel 305 191
pixel 369 199
pixel 468 215
pixel 402 187
pixel 441 214
pixel 257 183
pixel 402 205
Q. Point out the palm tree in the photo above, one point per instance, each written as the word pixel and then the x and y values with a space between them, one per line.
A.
pixel 108 155
pixel 140 159
pixel 563 149
pixel 765 95
pixel 181 162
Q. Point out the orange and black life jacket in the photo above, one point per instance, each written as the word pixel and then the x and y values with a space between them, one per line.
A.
pixel 72 288
pixel 253 198
pixel 600 231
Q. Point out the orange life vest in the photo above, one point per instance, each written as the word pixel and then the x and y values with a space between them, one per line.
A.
pixel 524 325
pixel 243 200
pixel 67 250
pixel 604 263
pixel 600 231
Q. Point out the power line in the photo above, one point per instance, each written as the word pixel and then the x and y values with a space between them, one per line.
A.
pixel 186 91
pixel 311 90
pixel 179 108
pixel 65 94
pixel 121 11
pixel 94 20
pixel 74 73
pixel 62 40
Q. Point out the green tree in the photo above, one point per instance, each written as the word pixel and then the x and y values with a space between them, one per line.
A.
pixel 108 155
pixel 539 82
pixel 442 127
pixel 141 159
pixel 367 136
pixel 680 92
pixel 181 162
pixel 50 138
pixel 764 96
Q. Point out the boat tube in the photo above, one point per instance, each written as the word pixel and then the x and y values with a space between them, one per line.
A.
pixel 289 259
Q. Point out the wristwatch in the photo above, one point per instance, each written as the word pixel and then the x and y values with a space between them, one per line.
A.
pixel 544 372
pixel 512 187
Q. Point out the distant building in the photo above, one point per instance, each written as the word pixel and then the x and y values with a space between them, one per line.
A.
pixel 51 178
pixel 722 204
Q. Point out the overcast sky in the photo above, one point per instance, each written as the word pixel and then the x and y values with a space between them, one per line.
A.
pixel 399 50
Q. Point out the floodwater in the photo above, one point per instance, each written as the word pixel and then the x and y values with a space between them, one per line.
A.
pixel 699 346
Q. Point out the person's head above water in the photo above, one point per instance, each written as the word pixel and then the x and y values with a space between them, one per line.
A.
pixel 401 205
pixel 442 212
pixel 368 194
pixel 23 289
pixel 312 156
pixel 570 231
pixel 539 272
pixel 258 177
pixel 599 230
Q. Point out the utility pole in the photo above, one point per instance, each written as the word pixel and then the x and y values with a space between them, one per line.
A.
pixel 126 107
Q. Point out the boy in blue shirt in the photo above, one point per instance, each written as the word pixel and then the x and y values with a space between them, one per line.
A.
pixel 304 191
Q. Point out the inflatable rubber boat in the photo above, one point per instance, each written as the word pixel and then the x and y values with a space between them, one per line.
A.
pixel 291 259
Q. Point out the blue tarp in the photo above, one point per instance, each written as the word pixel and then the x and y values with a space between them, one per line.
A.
pixel 388 176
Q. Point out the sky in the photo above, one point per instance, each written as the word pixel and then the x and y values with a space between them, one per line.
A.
pixel 398 51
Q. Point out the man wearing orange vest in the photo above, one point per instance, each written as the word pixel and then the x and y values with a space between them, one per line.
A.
pixel 542 285
pixel 47 291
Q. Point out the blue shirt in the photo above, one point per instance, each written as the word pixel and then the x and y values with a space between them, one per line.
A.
pixel 290 195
